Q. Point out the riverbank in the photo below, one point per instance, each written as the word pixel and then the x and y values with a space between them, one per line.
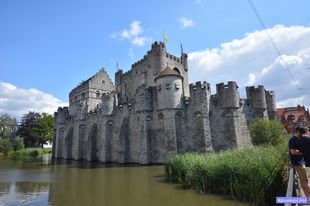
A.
pixel 254 175
pixel 26 152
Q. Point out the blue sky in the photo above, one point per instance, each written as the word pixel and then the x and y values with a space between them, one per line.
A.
pixel 48 47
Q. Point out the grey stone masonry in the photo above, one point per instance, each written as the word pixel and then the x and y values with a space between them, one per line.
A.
pixel 153 113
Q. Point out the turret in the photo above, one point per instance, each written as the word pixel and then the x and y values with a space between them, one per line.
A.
pixel 228 95
pixel 271 104
pixel 157 56
pixel 257 100
pixel 118 76
pixel 169 89
pixel 200 97
pixel 61 115
pixel 256 97
pixel 184 61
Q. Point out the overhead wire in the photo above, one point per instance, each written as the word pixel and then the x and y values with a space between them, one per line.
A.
pixel 255 11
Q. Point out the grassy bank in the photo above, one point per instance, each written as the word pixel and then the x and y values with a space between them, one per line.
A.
pixel 27 152
pixel 254 175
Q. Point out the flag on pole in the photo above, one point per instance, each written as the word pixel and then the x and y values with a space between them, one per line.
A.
pixel 165 38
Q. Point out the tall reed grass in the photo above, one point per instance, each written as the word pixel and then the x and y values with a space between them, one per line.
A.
pixel 255 175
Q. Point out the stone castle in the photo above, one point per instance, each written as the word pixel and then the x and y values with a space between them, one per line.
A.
pixel 152 112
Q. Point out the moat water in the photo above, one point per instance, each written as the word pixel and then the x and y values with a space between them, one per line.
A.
pixel 46 182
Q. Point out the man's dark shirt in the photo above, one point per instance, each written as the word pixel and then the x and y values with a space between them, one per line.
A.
pixel 304 147
pixel 295 159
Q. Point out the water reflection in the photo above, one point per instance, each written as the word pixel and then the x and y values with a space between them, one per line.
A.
pixel 76 183
pixel 23 193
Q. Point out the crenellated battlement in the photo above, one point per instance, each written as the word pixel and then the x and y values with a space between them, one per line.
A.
pixel 61 115
pixel 271 104
pixel 199 87
pixel 157 48
pixel 257 97
pixel 228 95
pixel 158 45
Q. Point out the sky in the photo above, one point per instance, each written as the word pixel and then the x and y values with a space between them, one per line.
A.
pixel 49 47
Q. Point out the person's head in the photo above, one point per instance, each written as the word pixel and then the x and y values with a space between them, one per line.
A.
pixel 297 132
pixel 301 131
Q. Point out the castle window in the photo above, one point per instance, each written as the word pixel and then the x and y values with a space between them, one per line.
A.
pixel 177 86
pixel 159 87
pixel 177 70
pixel 149 118
pixel 97 93
pixel 83 95
pixel 198 114
pixel 160 116
pixel 168 86
pixel 103 82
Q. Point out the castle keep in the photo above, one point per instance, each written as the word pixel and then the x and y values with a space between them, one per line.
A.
pixel 152 112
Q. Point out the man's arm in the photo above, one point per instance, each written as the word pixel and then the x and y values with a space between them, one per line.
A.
pixel 295 152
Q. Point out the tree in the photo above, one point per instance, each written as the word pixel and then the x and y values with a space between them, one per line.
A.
pixel 36 129
pixel 27 127
pixel 5 146
pixel 7 125
pixel 44 128
pixel 267 132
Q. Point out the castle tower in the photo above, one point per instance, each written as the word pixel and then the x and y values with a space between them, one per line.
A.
pixel 169 89
pixel 197 112
pixel 229 129
pixel 228 95
pixel 61 118
pixel 257 99
pixel 157 56
pixel 271 104
pixel 169 101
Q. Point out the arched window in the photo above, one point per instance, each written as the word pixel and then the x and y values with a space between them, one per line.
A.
pixel 177 70
pixel 97 93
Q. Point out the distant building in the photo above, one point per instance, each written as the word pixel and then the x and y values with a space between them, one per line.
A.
pixel 294 116
pixel 152 112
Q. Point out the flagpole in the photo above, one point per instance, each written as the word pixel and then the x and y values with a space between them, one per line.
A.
pixel 181 49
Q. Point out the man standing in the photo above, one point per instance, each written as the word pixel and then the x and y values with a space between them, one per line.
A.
pixel 298 162
pixel 304 147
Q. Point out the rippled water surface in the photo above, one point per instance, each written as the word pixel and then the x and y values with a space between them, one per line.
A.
pixel 45 182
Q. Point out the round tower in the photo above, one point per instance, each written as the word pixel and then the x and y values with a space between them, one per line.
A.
pixel 157 56
pixel 257 97
pixel 169 89
pixel 228 95
pixel 271 104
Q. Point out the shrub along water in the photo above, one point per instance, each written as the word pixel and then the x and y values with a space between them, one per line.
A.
pixel 32 152
pixel 256 175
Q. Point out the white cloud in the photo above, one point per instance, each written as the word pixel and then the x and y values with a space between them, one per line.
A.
pixel 252 60
pixel 251 80
pixel 134 34
pixel 17 101
pixel 135 30
pixel 139 41
pixel 186 22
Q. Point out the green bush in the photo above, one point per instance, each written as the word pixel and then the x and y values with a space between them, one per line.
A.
pixel 34 153
pixel 267 132
pixel 254 175
pixel 5 146
pixel 18 143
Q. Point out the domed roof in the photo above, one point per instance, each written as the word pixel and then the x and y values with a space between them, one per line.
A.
pixel 168 72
